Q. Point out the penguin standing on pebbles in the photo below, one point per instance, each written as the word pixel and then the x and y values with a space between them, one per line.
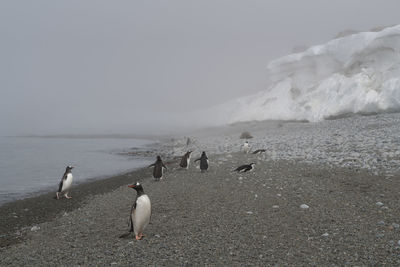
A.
pixel 203 162
pixel 245 168
pixel 185 161
pixel 246 147
pixel 65 183
pixel 158 168
pixel 140 212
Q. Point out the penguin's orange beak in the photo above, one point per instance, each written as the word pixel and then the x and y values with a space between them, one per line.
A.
pixel 132 186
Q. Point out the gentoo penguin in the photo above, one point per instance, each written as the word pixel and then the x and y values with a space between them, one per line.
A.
pixel 158 168
pixel 185 161
pixel 245 168
pixel 203 162
pixel 140 212
pixel 259 151
pixel 65 183
pixel 246 147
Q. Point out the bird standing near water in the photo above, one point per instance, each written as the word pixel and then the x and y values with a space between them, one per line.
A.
pixel 158 168
pixel 203 162
pixel 140 212
pixel 185 161
pixel 65 183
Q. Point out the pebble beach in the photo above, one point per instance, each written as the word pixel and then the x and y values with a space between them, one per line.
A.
pixel 323 194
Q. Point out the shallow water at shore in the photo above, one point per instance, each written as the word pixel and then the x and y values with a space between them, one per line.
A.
pixel 30 164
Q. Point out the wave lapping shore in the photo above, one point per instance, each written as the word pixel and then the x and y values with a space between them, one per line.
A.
pixel 297 207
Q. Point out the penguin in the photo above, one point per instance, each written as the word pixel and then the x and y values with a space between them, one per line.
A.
pixel 259 151
pixel 203 162
pixel 246 147
pixel 245 168
pixel 185 161
pixel 65 183
pixel 158 168
pixel 140 212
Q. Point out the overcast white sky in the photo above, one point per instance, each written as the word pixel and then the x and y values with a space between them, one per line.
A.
pixel 124 66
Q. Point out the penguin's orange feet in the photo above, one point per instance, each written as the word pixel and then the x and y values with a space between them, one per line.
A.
pixel 138 237
pixel 141 235
pixel 66 196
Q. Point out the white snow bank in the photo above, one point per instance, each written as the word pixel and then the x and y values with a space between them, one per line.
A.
pixel 359 73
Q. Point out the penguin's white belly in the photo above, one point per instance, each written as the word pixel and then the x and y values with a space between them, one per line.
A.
pixel 67 183
pixel 188 162
pixel 141 215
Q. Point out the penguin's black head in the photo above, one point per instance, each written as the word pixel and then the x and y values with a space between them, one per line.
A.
pixel 137 186
pixel 69 168
pixel 158 158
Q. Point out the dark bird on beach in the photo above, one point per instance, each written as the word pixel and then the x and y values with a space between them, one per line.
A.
pixel 259 151
pixel 185 161
pixel 140 212
pixel 158 168
pixel 203 162
pixel 245 168
pixel 65 183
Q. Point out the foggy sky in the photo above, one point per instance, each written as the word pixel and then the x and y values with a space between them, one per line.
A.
pixel 129 66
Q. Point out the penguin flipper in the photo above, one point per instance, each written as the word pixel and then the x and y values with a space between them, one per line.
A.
pixel 61 182
pixel 133 209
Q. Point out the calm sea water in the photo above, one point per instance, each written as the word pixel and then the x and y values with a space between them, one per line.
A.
pixel 32 165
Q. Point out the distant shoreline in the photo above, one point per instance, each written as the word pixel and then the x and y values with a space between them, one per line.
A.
pixel 93 136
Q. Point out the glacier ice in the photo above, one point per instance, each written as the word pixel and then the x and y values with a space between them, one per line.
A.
pixel 359 73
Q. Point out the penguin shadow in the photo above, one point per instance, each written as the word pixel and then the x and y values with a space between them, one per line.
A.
pixel 126 235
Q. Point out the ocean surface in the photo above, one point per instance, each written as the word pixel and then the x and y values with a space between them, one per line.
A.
pixel 30 165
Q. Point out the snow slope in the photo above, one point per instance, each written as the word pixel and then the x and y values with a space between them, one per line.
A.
pixel 359 73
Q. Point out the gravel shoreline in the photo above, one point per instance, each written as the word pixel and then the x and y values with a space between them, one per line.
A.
pixel 224 218
pixel 289 211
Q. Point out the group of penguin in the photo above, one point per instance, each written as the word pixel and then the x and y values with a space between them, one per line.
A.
pixel 141 208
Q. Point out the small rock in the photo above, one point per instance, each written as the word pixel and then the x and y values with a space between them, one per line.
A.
pixel 240 178
pixel 275 207
pixel 379 204
pixel 381 223
pixel 249 212
pixel 278 195
pixel 35 228
pixel 158 236
pixel 325 234
pixel 395 225
pixel 304 206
